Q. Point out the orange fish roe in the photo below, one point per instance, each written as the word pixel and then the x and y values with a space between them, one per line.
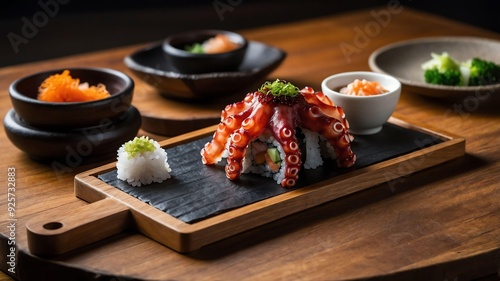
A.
pixel 63 88
pixel 363 88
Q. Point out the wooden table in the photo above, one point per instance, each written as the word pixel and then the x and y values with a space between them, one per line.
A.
pixel 442 223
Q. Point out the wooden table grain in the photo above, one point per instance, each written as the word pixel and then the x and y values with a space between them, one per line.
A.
pixel 442 223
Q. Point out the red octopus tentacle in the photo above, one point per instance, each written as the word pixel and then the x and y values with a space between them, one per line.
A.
pixel 214 150
pixel 283 125
pixel 316 98
pixel 327 107
pixel 325 104
pixel 277 109
pixel 312 118
pixel 250 129
pixel 238 107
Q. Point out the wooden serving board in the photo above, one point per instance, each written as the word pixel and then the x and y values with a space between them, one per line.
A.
pixel 113 210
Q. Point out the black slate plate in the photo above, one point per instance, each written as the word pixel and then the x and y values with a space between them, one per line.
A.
pixel 152 66
pixel 196 191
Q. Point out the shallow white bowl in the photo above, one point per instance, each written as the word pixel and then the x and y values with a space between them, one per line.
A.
pixel 366 114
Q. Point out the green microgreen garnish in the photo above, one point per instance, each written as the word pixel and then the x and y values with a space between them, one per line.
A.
pixel 196 48
pixel 279 88
pixel 139 145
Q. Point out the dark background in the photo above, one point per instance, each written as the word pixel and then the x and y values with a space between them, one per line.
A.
pixel 82 26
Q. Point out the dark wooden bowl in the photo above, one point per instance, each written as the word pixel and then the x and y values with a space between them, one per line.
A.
pixel 190 63
pixel 71 148
pixel 70 115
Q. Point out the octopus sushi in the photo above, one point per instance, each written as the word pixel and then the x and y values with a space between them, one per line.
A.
pixel 142 161
pixel 277 130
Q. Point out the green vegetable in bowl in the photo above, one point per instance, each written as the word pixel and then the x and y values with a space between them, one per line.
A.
pixel 482 72
pixel 196 48
pixel 444 70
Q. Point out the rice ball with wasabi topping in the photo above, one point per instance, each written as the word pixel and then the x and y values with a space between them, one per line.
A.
pixel 142 161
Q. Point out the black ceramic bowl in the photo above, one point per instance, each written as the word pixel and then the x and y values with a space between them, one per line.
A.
pixel 67 149
pixel 192 63
pixel 151 66
pixel 63 115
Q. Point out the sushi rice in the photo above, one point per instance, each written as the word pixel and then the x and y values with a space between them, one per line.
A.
pixel 142 161
pixel 316 148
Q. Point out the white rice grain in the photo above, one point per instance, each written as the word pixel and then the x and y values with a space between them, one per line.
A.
pixel 313 152
pixel 144 168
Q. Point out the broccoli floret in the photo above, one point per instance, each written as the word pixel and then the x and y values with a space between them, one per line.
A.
pixel 442 70
pixel 450 77
pixel 482 72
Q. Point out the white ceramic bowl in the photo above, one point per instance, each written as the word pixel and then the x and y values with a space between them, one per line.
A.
pixel 366 114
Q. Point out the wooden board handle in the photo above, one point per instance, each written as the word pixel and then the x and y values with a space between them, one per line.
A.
pixel 51 235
